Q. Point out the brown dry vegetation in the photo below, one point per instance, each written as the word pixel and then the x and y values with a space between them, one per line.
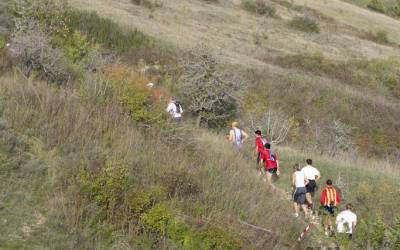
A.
pixel 95 163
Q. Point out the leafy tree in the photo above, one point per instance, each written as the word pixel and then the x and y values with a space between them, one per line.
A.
pixel 206 92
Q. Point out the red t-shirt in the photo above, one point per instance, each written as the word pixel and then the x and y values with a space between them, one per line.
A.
pixel 259 144
pixel 270 162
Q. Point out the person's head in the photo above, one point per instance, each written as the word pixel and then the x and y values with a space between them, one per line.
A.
pixel 172 99
pixel 309 162
pixel 296 167
pixel 349 206
pixel 267 145
pixel 258 132
pixel 235 124
pixel 329 182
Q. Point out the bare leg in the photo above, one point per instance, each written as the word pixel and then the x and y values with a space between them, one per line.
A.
pixel 304 207
pixel 296 208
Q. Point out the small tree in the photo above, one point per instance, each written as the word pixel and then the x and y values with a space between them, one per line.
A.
pixel 275 123
pixel 206 92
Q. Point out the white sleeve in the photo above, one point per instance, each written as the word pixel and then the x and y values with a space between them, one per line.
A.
pixel 169 108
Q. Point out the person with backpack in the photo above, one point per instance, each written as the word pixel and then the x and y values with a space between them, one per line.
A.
pixel 271 162
pixel 260 142
pixel 175 109
pixel 346 221
pixel 299 182
pixel 330 199
pixel 237 136
pixel 313 175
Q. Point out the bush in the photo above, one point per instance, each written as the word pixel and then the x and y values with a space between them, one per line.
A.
pixel 305 24
pixel 180 183
pixel 258 7
pixel 157 220
pixel 377 5
pixel 205 91
pixel 148 3
pixel 106 185
pixel 218 239
pixel 107 32
pixel 136 99
pixel 32 51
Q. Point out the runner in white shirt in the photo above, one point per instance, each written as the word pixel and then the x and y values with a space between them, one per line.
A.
pixel 312 174
pixel 299 182
pixel 346 221
pixel 175 109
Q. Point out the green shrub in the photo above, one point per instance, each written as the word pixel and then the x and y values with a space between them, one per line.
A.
pixel 304 24
pixel 258 7
pixel 141 202
pixel 148 3
pixel 106 32
pixel 157 220
pixel 377 5
pixel 108 186
pixel 77 47
pixel 218 239
pixel 377 233
pixel 2 42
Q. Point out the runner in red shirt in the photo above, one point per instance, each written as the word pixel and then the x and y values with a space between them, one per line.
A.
pixel 271 162
pixel 260 142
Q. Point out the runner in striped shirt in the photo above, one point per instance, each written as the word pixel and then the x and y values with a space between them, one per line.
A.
pixel 330 198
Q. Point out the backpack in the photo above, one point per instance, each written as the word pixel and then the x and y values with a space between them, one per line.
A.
pixel 272 155
pixel 178 107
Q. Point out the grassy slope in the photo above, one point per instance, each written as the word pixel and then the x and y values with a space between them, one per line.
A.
pixel 36 176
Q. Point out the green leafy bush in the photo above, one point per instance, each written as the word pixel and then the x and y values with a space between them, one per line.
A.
pixel 258 7
pixel 2 42
pixel 148 3
pixel 218 239
pixel 157 219
pixel 377 5
pixel 106 32
pixel 305 24
pixel 141 202
pixel 108 186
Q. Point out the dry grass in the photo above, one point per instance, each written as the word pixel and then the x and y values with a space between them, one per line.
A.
pixel 229 29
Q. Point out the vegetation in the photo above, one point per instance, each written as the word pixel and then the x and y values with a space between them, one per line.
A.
pixel 259 7
pixel 92 161
pixel 376 5
pixel 304 24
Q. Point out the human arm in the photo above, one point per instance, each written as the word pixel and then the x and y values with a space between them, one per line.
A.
pixel 169 108
pixel 305 180
pixel 245 136
pixel 317 175
pixel 231 136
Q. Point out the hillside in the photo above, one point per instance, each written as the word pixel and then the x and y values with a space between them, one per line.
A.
pixel 89 159
pixel 350 65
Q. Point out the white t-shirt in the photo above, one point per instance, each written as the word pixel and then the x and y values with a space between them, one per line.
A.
pixel 299 179
pixel 173 110
pixel 310 172
pixel 346 217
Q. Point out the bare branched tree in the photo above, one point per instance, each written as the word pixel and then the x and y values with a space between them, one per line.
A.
pixel 31 50
pixel 275 124
pixel 206 91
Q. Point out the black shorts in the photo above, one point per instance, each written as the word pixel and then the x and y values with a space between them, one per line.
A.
pixel 299 195
pixel 311 186
pixel 272 170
